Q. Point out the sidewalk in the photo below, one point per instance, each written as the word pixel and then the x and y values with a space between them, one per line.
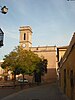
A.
pixel 44 92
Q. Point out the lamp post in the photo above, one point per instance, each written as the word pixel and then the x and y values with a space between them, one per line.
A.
pixel 1 37
pixel 4 9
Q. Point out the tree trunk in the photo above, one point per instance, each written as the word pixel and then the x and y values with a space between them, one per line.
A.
pixel 14 80
pixel 23 78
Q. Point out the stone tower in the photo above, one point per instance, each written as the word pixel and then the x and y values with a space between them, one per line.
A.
pixel 25 37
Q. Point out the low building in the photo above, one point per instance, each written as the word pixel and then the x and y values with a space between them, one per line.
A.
pixel 67 70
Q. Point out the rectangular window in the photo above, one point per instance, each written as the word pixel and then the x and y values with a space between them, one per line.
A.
pixel 24 36
pixel 71 78
pixel 64 80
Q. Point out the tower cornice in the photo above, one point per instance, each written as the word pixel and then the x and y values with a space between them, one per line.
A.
pixel 23 28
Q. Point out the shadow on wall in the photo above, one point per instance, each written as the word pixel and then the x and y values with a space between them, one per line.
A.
pixel 51 75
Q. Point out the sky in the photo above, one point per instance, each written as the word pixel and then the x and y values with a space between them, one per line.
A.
pixel 52 22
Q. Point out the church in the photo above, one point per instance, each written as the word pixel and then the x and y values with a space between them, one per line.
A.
pixel 48 52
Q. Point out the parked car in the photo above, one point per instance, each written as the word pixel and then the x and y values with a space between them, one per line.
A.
pixel 21 80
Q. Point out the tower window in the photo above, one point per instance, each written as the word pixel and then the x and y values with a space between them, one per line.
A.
pixel 37 48
pixel 24 36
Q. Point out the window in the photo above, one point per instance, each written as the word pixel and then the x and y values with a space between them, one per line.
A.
pixel 64 80
pixel 37 48
pixel 71 78
pixel 24 36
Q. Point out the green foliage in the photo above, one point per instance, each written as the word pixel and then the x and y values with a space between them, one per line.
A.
pixel 23 61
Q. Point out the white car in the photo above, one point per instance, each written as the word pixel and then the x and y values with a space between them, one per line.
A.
pixel 21 80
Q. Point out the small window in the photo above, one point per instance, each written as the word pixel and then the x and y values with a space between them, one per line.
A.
pixel 24 36
pixel 71 78
pixel 64 80
pixel 65 77
pixel 37 48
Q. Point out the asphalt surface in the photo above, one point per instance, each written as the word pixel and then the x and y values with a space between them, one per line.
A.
pixel 43 92
pixel 5 91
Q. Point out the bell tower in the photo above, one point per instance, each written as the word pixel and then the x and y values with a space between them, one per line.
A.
pixel 25 37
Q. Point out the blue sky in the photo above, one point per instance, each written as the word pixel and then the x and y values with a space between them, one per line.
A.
pixel 52 22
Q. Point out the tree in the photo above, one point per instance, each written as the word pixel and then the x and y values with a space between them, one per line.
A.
pixel 45 62
pixel 40 70
pixel 11 62
pixel 24 62
pixel 21 61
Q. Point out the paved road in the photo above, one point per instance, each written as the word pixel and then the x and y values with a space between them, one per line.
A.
pixel 44 92
pixel 5 91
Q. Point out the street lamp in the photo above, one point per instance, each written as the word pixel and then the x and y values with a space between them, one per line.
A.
pixel 1 37
pixel 4 9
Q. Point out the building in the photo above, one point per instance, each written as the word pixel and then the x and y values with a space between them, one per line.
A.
pixel 67 70
pixel 48 52
pixel 4 72
pixel 60 53
pixel 1 70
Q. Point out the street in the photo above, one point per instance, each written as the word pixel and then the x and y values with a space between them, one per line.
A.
pixel 42 92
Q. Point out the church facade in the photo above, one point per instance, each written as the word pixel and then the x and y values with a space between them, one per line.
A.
pixel 48 52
